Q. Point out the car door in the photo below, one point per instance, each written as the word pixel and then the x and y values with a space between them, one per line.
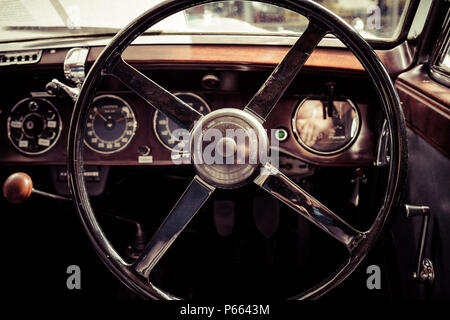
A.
pixel 425 95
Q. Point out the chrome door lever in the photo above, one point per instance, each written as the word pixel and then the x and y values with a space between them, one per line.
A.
pixel 424 270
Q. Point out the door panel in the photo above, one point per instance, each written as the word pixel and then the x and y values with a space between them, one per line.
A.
pixel 426 106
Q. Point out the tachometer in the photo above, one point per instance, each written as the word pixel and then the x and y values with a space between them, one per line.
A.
pixel 111 124
pixel 164 127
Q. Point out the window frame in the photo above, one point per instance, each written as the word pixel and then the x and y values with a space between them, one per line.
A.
pixel 442 48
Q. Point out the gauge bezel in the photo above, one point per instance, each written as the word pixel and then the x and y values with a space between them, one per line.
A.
pixel 325 153
pixel 8 126
pixel 157 111
pixel 134 127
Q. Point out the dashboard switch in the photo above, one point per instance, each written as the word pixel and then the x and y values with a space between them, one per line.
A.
pixel 281 134
pixel 210 81
pixel 144 150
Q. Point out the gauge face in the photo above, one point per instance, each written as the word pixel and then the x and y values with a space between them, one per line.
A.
pixel 34 126
pixel 165 128
pixel 322 133
pixel 111 124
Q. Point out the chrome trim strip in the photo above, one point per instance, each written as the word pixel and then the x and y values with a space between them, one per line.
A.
pixel 71 42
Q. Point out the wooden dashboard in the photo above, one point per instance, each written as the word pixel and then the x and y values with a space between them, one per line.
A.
pixel 426 104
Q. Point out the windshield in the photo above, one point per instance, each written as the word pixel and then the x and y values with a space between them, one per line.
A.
pixel 34 19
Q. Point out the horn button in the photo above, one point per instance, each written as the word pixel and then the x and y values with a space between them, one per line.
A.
pixel 227 147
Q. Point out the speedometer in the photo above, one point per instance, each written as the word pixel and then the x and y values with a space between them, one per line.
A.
pixel 165 128
pixel 111 124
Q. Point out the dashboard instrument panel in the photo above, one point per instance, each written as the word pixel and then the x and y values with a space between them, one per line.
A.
pixel 123 129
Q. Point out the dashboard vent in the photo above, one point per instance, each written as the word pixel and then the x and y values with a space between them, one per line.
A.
pixel 20 57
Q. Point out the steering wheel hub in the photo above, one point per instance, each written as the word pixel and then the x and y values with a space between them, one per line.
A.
pixel 227 147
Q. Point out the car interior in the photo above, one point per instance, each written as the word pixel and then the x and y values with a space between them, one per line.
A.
pixel 214 150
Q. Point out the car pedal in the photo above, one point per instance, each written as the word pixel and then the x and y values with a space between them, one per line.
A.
pixel 224 217
pixel 266 213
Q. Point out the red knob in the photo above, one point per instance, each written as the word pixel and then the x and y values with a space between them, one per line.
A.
pixel 18 187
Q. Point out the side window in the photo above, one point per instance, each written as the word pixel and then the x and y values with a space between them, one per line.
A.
pixel 444 62
pixel 440 63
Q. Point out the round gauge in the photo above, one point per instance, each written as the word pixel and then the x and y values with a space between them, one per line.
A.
pixel 34 126
pixel 323 132
pixel 164 127
pixel 111 124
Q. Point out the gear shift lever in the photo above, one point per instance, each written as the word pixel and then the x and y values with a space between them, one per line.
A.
pixel 19 187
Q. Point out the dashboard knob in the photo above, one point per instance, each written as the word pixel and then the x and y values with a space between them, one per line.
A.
pixel 210 81
pixel 17 188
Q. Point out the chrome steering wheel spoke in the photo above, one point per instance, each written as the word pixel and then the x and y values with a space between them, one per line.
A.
pixel 155 95
pixel 184 210
pixel 273 89
pixel 283 188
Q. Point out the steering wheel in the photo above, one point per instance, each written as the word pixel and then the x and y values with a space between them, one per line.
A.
pixel 250 119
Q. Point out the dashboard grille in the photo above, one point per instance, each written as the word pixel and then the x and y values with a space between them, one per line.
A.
pixel 20 57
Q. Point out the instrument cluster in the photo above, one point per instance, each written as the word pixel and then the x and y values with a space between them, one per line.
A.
pixel 321 126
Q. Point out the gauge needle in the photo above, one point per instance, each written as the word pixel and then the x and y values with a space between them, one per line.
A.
pixel 101 116
pixel 120 119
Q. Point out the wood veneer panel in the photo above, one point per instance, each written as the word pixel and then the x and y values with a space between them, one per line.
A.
pixel 426 115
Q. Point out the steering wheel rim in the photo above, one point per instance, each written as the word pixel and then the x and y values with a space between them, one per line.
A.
pixel 318 16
